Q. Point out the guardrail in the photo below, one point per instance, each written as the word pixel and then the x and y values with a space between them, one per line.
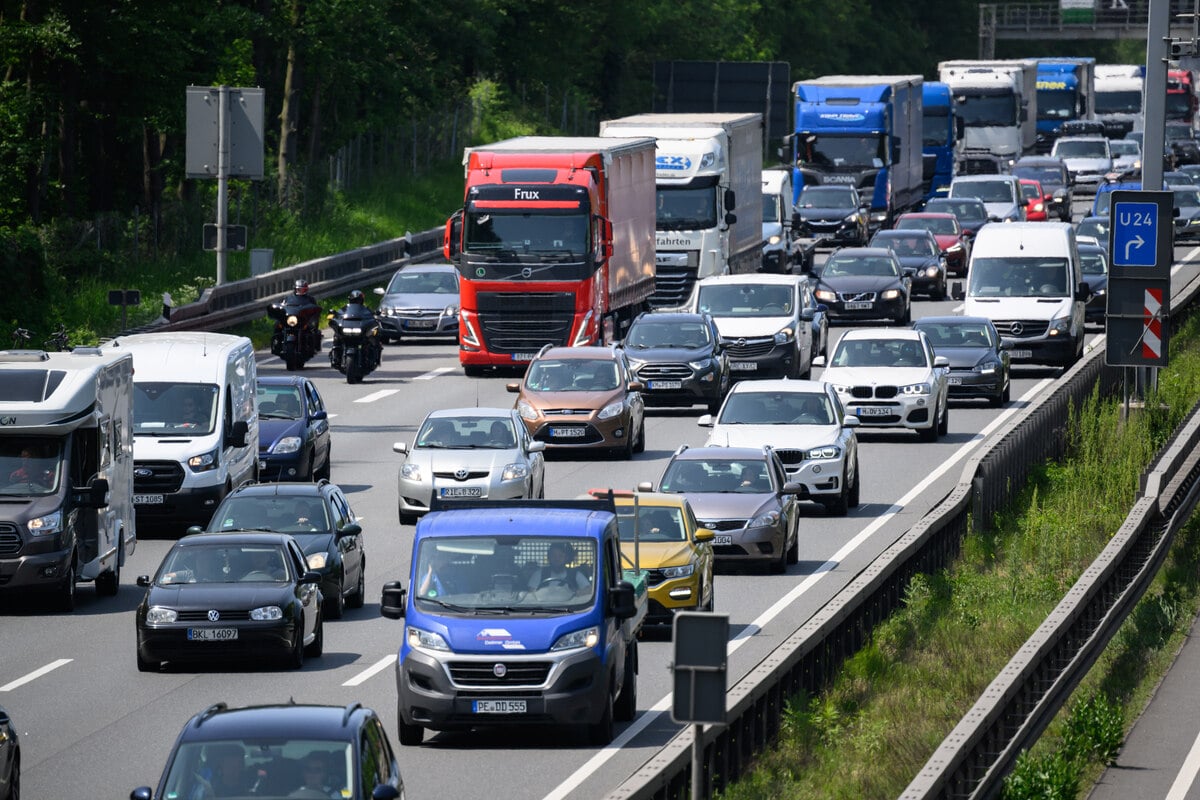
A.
pixel 812 656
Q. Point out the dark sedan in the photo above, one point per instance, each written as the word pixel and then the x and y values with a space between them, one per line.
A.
pixel 920 258
pixel 1052 174
pixel 1094 261
pixel 979 361
pixel 10 758
pixel 955 244
pixel 864 283
pixel 832 213
pixel 679 358
pixel 1186 203
pixel 230 596
pixel 970 212
pixel 293 430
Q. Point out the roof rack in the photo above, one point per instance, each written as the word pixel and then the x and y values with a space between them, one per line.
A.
pixel 350 709
pixel 209 712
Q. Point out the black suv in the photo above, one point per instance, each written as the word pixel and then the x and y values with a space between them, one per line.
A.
pixel 836 213
pixel 678 358
pixel 280 751
pixel 318 516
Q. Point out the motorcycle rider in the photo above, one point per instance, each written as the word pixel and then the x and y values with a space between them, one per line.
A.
pixel 356 310
pixel 308 308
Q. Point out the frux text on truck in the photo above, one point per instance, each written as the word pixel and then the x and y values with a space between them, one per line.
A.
pixel 708 218
pixel 554 245
pixel 863 130
pixel 1066 91
pixel 518 612
pixel 66 471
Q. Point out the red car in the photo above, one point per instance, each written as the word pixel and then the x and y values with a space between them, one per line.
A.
pixel 953 241
pixel 1035 200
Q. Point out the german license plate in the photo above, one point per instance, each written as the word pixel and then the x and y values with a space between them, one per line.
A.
pixel 420 323
pixel 148 499
pixel 460 491
pixel 498 706
pixel 872 411
pixel 1021 353
pixel 859 305
pixel 212 634
pixel 743 366
pixel 954 380
pixel 723 538
pixel 524 356
pixel 666 384
pixel 568 433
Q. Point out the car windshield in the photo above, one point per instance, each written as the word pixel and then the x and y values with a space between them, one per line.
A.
pixel 1048 175
pixel 1124 147
pixel 30 466
pixel 956 334
pixel 1185 197
pixel 879 353
pixel 250 767
pixel 652 523
pixel 572 375
pixel 827 197
pixel 777 408
pixel 224 563
pixel 1018 277
pixel 936 225
pixel 1081 148
pixel 905 245
pixel 418 282
pixel 747 299
pixel 860 266
pixel 449 433
pixel 1030 191
pixel 1093 263
pixel 648 333
pixel 1103 204
pixel 172 409
pixel 505 575
pixel 964 210
pixel 987 191
pixel 1119 102
pixel 1094 227
pixel 283 513
pixel 717 475
pixel 279 402
pixel 770 208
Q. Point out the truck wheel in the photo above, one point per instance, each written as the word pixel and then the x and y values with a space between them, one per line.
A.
pixel 626 706
pixel 410 735
pixel 107 583
pixel 601 732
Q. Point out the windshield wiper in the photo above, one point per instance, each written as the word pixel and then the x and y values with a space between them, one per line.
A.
pixel 444 604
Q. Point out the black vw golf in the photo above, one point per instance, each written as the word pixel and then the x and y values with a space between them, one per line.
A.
pixel 230 595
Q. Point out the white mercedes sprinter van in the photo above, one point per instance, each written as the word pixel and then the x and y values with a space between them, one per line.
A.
pixel 195 423
pixel 1026 278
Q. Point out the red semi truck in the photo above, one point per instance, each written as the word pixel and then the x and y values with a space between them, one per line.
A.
pixel 554 245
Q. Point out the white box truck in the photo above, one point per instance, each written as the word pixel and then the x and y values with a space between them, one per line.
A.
pixel 1119 89
pixel 66 471
pixel 997 101
pixel 709 206
pixel 195 423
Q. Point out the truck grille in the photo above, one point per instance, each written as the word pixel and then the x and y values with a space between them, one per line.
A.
pixel 165 477
pixel 672 285
pixel 1021 328
pixel 678 372
pixel 483 673
pixel 523 322
pixel 10 540
pixel 748 348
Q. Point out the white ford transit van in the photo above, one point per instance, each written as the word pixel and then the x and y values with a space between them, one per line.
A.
pixel 1026 278
pixel 195 423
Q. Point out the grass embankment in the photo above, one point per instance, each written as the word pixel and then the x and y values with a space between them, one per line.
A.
pixel 870 733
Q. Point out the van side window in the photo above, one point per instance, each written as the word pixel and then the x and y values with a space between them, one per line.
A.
pixel 227 424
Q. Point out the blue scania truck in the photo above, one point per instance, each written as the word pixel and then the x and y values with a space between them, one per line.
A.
pixel 1066 90
pixel 517 612
pixel 863 130
pixel 940 139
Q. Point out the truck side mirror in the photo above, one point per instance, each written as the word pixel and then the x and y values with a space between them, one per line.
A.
pixel 1083 291
pixel 393 600
pixel 94 495
pixel 452 239
pixel 238 434
pixel 960 128
pixel 730 218
pixel 730 199
pixel 621 601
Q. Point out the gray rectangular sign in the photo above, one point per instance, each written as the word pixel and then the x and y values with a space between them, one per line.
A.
pixel 246 125
pixel 701 643
pixel 1138 332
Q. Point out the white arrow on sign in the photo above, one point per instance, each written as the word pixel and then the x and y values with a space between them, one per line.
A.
pixel 1137 241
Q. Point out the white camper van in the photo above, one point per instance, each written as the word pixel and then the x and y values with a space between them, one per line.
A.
pixel 195 416
pixel 66 470
pixel 1026 278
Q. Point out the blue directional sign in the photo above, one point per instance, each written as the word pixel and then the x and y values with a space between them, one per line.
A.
pixel 1135 234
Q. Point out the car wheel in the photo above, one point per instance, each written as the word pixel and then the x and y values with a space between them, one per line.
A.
pixel 840 505
pixel 295 658
pixel 1008 390
pixel 930 434
pixel 145 664
pixel 998 399
pixel 410 735
pixel 357 599
pixel 66 590
pixel 310 474
pixel 108 583
pixel 318 643
pixel 323 473
pixel 406 518
pixel 626 705
pixel 14 778
pixel 940 292
pixel 601 732
pixel 335 606
pixel 714 407
pixel 944 425
pixel 793 553
pixel 778 566
pixel 640 447
pixel 854 493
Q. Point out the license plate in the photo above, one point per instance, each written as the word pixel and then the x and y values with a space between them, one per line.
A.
pixel 148 499
pixel 568 433
pixel 212 634
pixel 666 384
pixel 524 356
pixel 420 323
pixel 859 305
pixel 747 366
pixel 1021 353
pixel 872 411
pixel 954 380
pixel 498 706
pixel 461 491
pixel 723 538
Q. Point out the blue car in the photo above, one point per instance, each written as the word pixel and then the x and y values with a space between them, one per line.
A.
pixel 293 430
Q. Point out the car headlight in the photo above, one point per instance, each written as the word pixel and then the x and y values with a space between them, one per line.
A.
pixel 266 614
pixel 426 640
pixel 351 331
pixel 784 336
pixel 203 462
pixel 588 637
pixel 765 520
pixel 1060 325
pixel 917 388
pixel 852 218
pixel 526 410
pixel 450 311
pixel 45 526
pixel 514 471
pixel 840 388
pixel 288 444
pixel 825 295
pixel 702 364
pixel 1100 292
pixel 775 239
pixel 635 363
pixel 317 560
pixel 879 216
pixel 410 472
pixel 157 615
pixel 987 368
pixel 890 294
pixel 828 451
pixel 1038 207
pixel 678 572
pixel 611 410
pixel 932 272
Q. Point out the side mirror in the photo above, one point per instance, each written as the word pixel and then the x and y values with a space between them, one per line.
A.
pixel 941 361
pixel 400 447
pixel 95 495
pixel 142 793
pixel 705 421
pixel 730 218
pixel 393 600
pixel 704 535
pixel 621 601
pixel 194 529
pixel 349 529
pixel 379 290
pixel 452 238
pixel 320 415
pixel 792 487
pixel 956 290
pixel 238 433
pixel 731 200
pixel 1006 344
pixel 819 361
pixel 636 386
pixel 1083 292
pixel 512 387
pixel 808 314
pixel 143 580
pixel 851 421
pixel 645 486
pixel 822 307
pixel 535 447
pixel 312 576
pixel 385 792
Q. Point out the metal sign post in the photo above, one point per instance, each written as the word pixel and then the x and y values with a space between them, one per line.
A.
pixel 701 642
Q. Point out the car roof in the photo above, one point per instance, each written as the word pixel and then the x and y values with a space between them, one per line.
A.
pixel 1039 161
pixel 862 252
pixel 719 453
pixel 949 201
pixel 625 498
pixel 469 413
pixel 578 353
pixel 927 215
pixel 673 316
pixel 428 268
pixel 1094 137
pixel 898 233
pixel 884 334
pixel 779 385
pixel 983 178
pixel 281 380
pixel 282 489
pixel 1093 248
pixel 234 538
pixel 951 319
pixel 281 721
pixel 752 277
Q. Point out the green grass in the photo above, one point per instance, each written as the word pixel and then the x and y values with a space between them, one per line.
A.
pixel 959 627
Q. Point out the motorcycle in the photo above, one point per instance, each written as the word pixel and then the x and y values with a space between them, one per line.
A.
pixel 356 350
pixel 297 337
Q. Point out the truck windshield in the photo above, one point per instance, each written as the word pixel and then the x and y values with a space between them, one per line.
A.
pixel 1124 102
pixel 987 110
pixel 935 127
pixel 686 208
pixel 505 574
pixel 174 409
pixel 562 236
pixel 1055 104
pixel 1018 277
pixel 829 150
pixel 29 466
pixel 770 208
pixel 1179 105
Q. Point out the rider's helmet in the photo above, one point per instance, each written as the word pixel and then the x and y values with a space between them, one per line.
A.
pixel 357 297
pixel 301 286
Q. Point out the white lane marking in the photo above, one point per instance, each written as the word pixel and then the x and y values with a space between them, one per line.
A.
pixel 37 673
pixel 434 373
pixel 371 671
pixel 595 762
pixel 958 308
pixel 373 396
pixel 1187 773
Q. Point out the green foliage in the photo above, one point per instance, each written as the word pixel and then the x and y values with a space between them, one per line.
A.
pixel 1053 776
